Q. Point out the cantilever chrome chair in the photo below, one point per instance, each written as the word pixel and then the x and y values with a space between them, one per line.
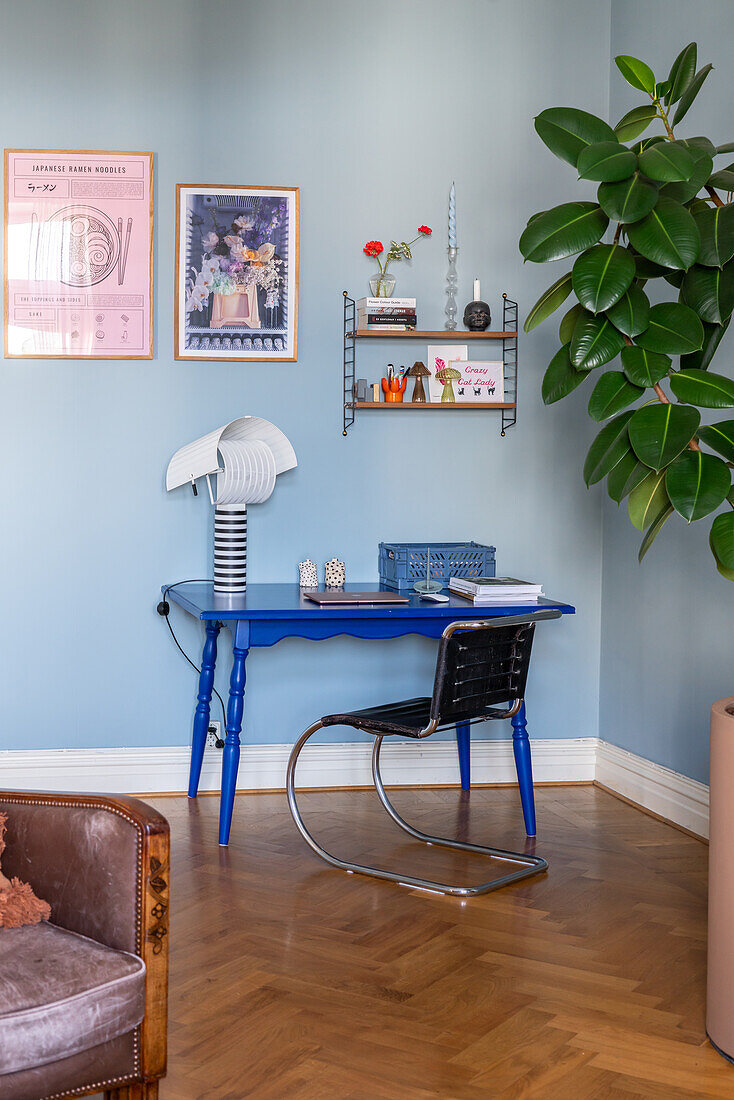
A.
pixel 480 665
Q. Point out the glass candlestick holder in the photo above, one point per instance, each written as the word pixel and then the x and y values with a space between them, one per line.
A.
pixel 451 283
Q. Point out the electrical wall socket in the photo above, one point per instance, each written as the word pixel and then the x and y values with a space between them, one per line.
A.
pixel 213 734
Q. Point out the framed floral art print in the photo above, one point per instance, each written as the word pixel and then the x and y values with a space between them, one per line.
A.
pixel 236 273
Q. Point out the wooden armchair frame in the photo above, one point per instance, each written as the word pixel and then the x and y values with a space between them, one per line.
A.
pixel 151 915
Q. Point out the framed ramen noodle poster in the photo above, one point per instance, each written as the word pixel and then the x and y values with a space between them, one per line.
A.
pixel 236 273
pixel 78 254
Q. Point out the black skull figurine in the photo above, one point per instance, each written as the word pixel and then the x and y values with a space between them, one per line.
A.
pixel 477 316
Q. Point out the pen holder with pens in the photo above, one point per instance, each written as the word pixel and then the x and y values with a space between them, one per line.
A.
pixel 394 388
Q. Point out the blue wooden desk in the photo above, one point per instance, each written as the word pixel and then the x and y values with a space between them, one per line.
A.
pixel 269 612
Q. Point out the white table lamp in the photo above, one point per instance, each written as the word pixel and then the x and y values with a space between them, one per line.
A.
pixel 246 455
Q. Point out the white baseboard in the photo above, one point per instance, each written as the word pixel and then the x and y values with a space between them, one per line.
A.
pixel 675 797
pixel 262 767
pixel 347 764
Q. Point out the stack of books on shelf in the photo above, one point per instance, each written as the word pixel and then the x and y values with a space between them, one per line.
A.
pixel 495 590
pixel 386 314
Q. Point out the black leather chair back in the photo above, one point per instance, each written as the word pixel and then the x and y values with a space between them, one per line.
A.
pixel 480 668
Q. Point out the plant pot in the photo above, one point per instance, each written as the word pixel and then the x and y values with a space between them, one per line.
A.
pixel 382 285
pixel 720 980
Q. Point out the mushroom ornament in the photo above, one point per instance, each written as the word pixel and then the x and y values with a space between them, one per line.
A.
pixel 419 371
pixel 447 375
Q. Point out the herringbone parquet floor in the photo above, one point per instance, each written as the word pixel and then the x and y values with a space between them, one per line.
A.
pixel 291 980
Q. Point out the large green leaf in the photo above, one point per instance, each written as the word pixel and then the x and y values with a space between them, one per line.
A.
pixel 727 573
pixel 667 236
pixel 690 94
pixel 681 73
pixel 716 229
pixel 673 328
pixel 687 189
pixel 595 341
pixel 727 147
pixel 630 314
pixel 643 367
pixel 654 530
pixel 608 448
pixel 703 388
pixel 700 360
pixel 561 377
pixel 701 142
pixel 724 178
pixel 563 231
pixel 720 437
pixel 606 160
pixel 629 200
pixel 568 323
pixel 636 73
pixel 602 275
pixel 659 432
pixel 635 122
pixel 623 477
pixel 697 484
pixel 710 291
pixel 566 131
pixel 722 539
pixel 611 394
pixel 647 499
pixel 549 301
pixel 668 161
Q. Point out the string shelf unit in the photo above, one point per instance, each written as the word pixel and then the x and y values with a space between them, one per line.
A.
pixel 507 335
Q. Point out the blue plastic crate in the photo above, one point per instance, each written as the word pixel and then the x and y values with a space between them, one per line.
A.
pixel 401 564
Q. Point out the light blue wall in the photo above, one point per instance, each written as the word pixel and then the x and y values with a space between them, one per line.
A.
pixel 371 110
pixel 668 626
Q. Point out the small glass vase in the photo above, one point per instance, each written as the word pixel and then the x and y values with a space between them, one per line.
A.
pixel 382 284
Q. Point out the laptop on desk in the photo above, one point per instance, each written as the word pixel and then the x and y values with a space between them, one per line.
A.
pixel 328 599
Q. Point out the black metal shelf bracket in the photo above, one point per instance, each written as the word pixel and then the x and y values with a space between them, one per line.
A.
pixel 509 361
pixel 350 325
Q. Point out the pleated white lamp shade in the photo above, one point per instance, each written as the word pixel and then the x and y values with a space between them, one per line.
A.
pixel 246 455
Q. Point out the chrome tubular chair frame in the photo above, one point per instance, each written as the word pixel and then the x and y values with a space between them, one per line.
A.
pixel 529 864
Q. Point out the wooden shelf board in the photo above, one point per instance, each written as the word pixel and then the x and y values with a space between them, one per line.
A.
pixel 432 334
pixel 447 406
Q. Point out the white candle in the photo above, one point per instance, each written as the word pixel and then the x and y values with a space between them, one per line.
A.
pixel 452 217
pixel 476 291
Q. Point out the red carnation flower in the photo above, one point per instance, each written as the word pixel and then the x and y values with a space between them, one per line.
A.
pixel 425 229
pixel 373 248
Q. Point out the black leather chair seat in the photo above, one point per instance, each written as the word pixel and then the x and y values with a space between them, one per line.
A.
pixel 406 718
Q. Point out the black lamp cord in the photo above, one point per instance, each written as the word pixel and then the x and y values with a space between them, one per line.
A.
pixel 163 610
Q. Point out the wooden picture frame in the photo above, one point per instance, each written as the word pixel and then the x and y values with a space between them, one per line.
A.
pixel 236 275
pixel 78 281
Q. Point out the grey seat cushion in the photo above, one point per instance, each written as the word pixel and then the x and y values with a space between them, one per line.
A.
pixel 61 993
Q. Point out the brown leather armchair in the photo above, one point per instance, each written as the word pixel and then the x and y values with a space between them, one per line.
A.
pixel 83 998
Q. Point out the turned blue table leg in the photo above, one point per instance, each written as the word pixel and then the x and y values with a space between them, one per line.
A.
pixel 201 716
pixel 231 752
pixel 463 745
pixel 523 763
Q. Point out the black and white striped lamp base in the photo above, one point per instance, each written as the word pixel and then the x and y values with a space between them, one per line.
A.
pixel 230 548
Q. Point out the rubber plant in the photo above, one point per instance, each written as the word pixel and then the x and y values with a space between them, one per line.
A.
pixel 646 355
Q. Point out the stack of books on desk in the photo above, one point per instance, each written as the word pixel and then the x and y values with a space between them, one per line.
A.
pixel 495 590
pixel 388 314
